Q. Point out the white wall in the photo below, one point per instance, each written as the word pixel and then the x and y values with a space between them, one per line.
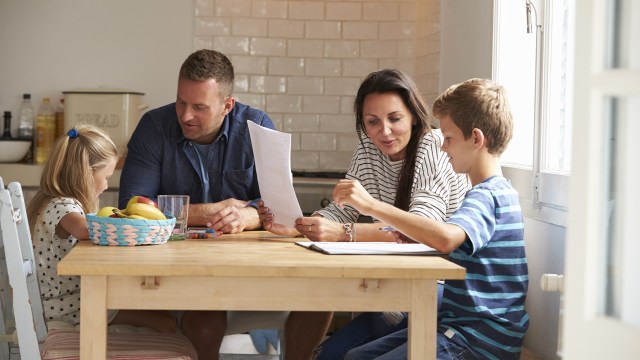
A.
pixel 47 47
pixel 301 61
pixel 466 44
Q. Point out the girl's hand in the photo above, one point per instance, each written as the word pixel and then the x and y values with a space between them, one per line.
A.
pixel 267 219
pixel 351 192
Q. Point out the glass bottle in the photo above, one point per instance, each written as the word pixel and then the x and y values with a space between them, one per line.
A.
pixel 45 131
pixel 6 135
pixel 26 123
pixel 60 118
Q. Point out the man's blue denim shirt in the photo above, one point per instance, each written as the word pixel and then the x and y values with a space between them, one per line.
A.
pixel 160 160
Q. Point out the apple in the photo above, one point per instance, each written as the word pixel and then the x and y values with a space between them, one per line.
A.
pixel 141 200
pixel 106 211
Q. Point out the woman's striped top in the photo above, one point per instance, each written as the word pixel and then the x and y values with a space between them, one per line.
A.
pixel 437 190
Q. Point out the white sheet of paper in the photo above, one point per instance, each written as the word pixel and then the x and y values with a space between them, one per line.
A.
pixel 272 153
pixel 368 248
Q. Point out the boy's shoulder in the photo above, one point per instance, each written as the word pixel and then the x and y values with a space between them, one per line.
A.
pixel 486 199
pixel 498 184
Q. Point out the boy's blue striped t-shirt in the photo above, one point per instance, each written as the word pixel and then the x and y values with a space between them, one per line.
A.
pixel 486 310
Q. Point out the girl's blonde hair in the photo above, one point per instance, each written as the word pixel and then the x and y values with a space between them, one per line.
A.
pixel 69 170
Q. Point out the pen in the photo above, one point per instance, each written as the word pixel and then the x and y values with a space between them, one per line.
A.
pixel 387 228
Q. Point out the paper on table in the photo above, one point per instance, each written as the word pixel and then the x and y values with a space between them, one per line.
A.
pixel 272 153
pixel 368 248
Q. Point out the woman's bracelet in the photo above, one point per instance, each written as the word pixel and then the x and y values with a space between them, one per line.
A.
pixel 353 229
pixel 349 229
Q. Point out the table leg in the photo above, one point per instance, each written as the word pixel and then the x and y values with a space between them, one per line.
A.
pixel 93 317
pixel 423 319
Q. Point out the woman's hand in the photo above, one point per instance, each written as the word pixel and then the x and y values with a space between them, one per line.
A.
pixel 351 192
pixel 317 228
pixel 267 219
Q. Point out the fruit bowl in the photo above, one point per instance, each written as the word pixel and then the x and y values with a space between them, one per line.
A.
pixel 12 151
pixel 129 232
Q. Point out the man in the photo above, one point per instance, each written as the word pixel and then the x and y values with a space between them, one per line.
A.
pixel 200 146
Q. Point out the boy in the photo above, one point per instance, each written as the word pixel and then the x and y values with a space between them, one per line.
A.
pixel 482 316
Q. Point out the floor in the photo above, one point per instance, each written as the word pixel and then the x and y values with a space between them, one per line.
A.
pixel 529 355
pixel 248 357
pixel 240 347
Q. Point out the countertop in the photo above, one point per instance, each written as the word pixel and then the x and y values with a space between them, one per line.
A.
pixel 29 176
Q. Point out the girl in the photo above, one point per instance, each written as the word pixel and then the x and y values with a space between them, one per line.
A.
pixel 77 172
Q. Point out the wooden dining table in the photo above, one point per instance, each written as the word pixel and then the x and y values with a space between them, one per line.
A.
pixel 253 270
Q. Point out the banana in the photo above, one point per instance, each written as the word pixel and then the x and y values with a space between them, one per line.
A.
pixel 145 210
pixel 137 217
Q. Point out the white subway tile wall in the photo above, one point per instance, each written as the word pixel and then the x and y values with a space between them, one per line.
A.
pixel 302 61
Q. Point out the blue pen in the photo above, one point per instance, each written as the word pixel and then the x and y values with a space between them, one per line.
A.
pixel 387 228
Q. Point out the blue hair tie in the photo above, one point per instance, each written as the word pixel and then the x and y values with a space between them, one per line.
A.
pixel 73 133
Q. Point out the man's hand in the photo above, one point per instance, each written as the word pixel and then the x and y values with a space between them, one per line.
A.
pixel 229 216
pixel 231 219
pixel 234 202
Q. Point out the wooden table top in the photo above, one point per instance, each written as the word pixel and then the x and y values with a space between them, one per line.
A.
pixel 248 254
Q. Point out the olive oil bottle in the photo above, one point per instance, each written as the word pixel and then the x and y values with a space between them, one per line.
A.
pixel 45 134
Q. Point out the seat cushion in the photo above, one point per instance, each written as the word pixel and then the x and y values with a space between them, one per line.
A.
pixel 65 344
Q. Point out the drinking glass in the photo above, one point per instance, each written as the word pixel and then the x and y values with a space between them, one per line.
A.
pixel 177 206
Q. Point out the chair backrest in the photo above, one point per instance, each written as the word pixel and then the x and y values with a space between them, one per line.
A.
pixel 6 306
pixel 27 304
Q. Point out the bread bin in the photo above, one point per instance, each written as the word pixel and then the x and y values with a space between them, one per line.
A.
pixel 116 111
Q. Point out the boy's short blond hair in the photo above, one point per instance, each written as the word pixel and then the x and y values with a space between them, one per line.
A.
pixel 481 104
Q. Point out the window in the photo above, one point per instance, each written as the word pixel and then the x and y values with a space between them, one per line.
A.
pixel 533 59
pixel 514 67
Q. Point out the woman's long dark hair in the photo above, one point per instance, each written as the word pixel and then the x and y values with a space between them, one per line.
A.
pixel 395 81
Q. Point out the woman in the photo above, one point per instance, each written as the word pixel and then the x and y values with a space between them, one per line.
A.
pixel 398 161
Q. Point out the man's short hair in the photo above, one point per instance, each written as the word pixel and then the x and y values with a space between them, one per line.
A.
pixel 208 64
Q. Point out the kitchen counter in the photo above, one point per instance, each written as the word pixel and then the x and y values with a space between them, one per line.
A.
pixel 29 175
pixel 313 192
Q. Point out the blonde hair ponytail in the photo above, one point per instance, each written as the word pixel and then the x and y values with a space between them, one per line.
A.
pixel 69 170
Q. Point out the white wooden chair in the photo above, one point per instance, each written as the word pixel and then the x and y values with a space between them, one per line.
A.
pixel 33 339
pixel 6 306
